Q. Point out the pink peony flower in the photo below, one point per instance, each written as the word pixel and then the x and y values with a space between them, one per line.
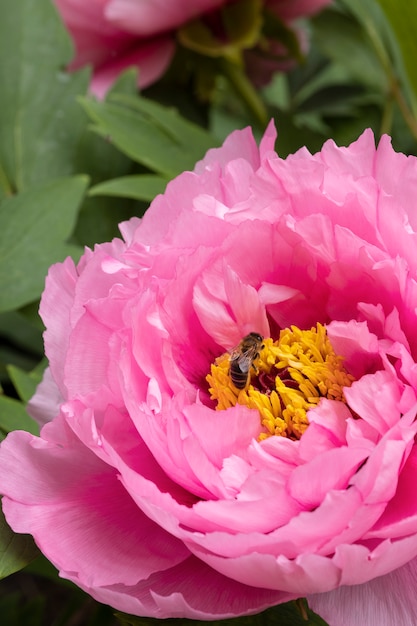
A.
pixel 161 488
pixel 112 35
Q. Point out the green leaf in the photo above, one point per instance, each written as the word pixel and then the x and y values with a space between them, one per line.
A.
pixel 402 15
pixel 141 187
pixel 23 332
pixel 34 226
pixel 343 39
pixel 24 383
pixel 99 217
pixel 126 82
pixel 40 118
pixel 13 416
pixel 16 551
pixel 154 136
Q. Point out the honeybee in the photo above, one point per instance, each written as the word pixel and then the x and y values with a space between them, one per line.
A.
pixel 242 358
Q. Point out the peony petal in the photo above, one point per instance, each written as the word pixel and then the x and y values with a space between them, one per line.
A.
pixel 307 572
pixel 149 18
pixel 151 59
pixel 79 514
pixel 400 515
pixel 178 592
pixel 44 405
pixel 359 347
pixel 377 602
pixel 375 397
pixel 310 482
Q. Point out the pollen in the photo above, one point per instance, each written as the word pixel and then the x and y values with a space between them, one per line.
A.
pixel 287 378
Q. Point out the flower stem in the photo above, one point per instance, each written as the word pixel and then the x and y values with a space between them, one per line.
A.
pixel 245 90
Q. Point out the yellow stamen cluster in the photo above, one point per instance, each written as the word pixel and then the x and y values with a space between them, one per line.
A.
pixel 288 378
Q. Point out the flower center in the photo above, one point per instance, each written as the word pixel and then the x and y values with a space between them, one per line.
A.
pixel 284 380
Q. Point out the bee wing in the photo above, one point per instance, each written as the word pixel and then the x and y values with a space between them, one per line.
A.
pixel 235 353
pixel 244 362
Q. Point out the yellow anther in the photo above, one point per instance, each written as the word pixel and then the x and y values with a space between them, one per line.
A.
pixel 289 377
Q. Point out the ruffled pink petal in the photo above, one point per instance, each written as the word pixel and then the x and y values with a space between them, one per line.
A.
pixel 359 347
pixel 240 144
pixel 82 15
pixel 383 601
pixel 400 515
pixel 150 58
pixel 377 479
pixel 55 310
pixel 45 404
pixel 79 514
pixel 309 483
pixel 233 316
pixel 150 18
pixel 298 576
pixel 178 592
pixel 327 429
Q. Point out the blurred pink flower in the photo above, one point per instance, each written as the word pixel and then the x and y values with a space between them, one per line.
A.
pixel 150 499
pixel 112 35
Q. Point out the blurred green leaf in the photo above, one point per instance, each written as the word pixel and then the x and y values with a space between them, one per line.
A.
pixel 341 89
pixel 16 551
pixel 402 16
pixel 35 225
pixel 13 416
pixel 20 343
pixel 24 383
pixel 126 82
pixel 99 216
pixel 154 136
pixel 341 38
pixel 23 331
pixel 346 129
pixel 40 118
pixel 141 187
pixel 333 100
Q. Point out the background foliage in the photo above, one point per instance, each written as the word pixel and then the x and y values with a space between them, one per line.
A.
pixel 72 168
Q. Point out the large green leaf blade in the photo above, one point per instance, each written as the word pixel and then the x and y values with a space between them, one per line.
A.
pixel 25 383
pixel 344 41
pixel 140 187
pixel 151 134
pixel 35 225
pixel 402 16
pixel 16 551
pixel 192 137
pixel 13 416
pixel 40 118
